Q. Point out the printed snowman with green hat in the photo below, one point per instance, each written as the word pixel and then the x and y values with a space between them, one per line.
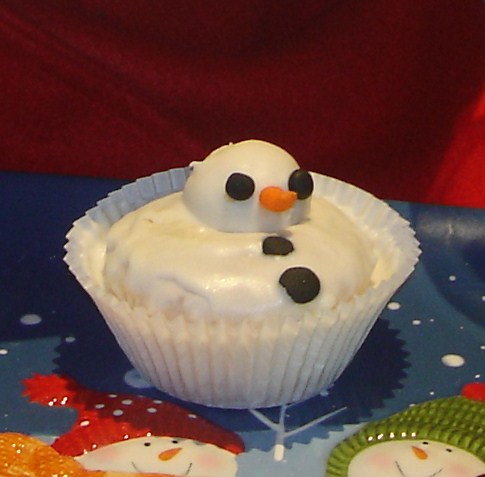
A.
pixel 439 438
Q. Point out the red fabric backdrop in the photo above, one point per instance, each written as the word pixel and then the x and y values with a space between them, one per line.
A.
pixel 387 94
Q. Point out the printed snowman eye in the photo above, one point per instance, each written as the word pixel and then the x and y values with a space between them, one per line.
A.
pixel 301 182
pixel 449 450
pixel 147 444
pixel 240 186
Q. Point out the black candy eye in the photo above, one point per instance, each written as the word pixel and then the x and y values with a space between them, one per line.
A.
pixel 301 182
pixel 239 186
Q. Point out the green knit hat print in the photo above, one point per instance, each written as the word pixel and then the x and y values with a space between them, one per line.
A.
pixel 457 421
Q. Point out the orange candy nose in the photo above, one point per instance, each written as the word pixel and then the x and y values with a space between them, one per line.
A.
pixel 419 453
pixel 276 199
pixel 169 453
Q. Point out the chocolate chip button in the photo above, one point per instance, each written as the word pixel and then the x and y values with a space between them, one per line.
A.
pixel 276 245
pixel 301 284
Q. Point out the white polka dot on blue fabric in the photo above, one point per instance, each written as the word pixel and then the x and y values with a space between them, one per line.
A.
pixel 3 352
pixel 135 380
pixel 453 360
pixel 393 305
pixel 30 319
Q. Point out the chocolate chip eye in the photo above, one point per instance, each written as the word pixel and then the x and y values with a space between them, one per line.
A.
pixel 239 186
pixel 301 182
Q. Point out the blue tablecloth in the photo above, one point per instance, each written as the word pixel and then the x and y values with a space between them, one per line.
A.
pixel 429 342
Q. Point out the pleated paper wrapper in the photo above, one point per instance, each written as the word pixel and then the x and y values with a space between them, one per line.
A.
pixel 252 362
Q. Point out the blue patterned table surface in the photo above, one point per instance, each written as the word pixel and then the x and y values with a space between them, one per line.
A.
pixel 428 343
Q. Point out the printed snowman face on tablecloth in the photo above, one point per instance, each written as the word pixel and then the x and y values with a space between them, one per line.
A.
pixel 439 438
pixel 134 433
pixel 166 455
pixel 250 186
pixel 411 458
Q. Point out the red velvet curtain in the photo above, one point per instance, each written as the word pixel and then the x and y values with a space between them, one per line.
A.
pixel 386 94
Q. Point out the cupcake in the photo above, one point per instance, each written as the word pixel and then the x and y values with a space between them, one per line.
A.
pixel 241 281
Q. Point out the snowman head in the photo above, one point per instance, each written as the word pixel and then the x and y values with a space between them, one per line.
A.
pixel 249 186
pixel 409 458
pixel 136 434
pixel 440 438
pixel 162 455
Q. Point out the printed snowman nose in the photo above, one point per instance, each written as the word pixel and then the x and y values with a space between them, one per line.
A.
pixel 277 199
pixel 419 453
pixel 169 453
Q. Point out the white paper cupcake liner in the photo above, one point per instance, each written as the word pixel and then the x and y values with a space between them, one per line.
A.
pixel 259 361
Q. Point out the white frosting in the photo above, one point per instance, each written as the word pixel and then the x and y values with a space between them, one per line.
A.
pixel 165 455
pixel 176 253
pixel 412 458
pixel 267 164
pixel 160 257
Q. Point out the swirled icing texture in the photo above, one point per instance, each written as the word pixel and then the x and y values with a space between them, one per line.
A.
pixel 200 251
pixel 161 257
